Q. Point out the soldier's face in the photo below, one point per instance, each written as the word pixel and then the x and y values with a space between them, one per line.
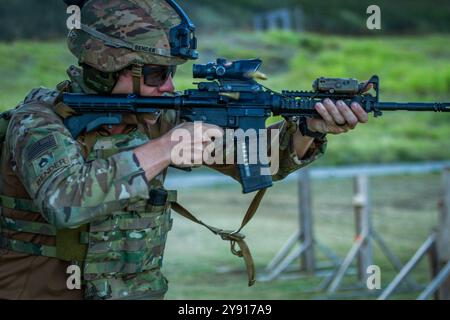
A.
pixel 125 86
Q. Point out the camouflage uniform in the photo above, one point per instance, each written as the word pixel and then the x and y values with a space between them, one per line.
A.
pixel 87 202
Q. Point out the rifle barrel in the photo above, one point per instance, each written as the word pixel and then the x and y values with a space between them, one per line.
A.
pixel 414 106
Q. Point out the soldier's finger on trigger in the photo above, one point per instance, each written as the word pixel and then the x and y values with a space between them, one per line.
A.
pixel 333 110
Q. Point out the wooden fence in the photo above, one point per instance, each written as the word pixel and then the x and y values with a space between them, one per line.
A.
pixel 302 244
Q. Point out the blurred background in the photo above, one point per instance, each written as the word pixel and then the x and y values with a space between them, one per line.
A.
pixel 298 40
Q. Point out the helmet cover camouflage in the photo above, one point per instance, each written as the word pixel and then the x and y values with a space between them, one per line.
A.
pixel 141 23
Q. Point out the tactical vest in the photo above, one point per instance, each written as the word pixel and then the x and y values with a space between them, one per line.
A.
pixel 120 255
pixel 129 244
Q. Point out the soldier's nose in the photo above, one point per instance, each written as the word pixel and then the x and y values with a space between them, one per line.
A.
pixel 168 86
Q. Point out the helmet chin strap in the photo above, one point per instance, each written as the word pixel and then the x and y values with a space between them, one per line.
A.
pixel 137 75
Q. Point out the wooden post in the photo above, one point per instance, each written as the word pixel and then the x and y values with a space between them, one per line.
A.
pixel 363 221
pixel 433 262
pixel 308 262
pixel 443 235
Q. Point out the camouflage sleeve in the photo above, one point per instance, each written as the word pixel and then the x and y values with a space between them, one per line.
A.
pixel 69 191
pixel 288 159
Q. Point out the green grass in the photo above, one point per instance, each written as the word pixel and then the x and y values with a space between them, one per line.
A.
pixel 410 69
pixel 27 65
pixel 199 265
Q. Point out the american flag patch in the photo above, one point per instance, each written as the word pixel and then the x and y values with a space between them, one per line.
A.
pixel 40 147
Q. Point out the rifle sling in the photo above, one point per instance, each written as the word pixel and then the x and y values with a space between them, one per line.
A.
pixel 232 236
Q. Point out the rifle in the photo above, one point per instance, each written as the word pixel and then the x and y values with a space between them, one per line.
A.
pixel 232 98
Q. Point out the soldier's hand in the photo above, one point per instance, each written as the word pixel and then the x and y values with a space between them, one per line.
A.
pixel 182 146
pixel 188 142
pixel 337 117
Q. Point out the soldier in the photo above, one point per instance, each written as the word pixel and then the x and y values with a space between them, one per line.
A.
pixel 98 201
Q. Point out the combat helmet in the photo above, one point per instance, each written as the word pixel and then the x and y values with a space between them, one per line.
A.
pixel 120 34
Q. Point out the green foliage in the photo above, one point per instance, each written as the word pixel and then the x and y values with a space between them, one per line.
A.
pixel 328 16
pixel 26 65
pixel 411 69
pixel 46 19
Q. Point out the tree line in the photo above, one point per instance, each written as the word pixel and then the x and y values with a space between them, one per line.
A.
pixel 46 19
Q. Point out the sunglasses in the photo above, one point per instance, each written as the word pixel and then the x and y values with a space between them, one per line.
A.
pixel 156 76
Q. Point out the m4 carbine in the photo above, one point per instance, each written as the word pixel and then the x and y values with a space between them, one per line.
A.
pixel 232 98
